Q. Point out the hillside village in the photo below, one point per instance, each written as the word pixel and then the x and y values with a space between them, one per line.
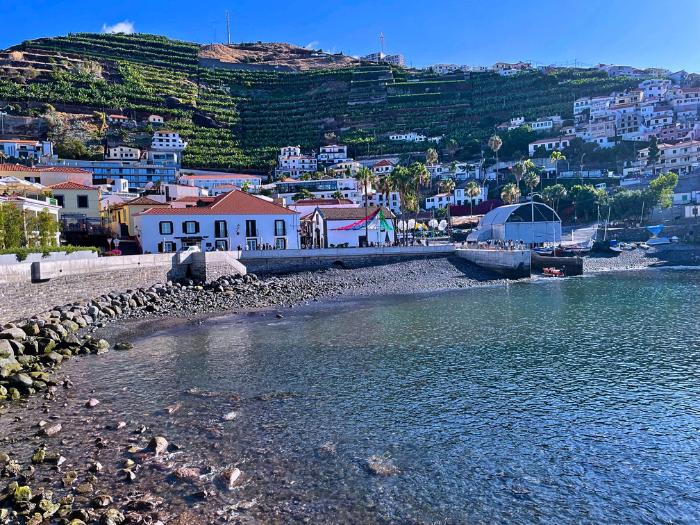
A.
pixel 124 176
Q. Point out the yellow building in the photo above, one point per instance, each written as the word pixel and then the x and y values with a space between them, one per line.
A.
pixel 77 199
pixel 122 215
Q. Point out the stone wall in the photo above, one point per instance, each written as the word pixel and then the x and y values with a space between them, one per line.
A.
pixel 514 264
pixel 69 281
pixel 288 261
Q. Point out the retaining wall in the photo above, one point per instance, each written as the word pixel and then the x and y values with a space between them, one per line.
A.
pixel 514 264
pixel 287 261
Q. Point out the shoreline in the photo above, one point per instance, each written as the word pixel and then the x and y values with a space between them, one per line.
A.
pixel 327 288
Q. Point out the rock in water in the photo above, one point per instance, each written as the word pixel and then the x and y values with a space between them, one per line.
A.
pixel 92 402
pixel 159 445
pixel 231 477
pixel 51 430
pixel 230 416
pixel 123 346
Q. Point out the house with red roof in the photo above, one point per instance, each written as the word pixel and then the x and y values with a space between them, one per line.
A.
pixel 77 200
pixel 231 221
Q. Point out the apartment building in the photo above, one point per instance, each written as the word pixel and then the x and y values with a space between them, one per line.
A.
pixel 680 158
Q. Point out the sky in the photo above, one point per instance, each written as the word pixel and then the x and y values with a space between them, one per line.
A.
pixel 643 33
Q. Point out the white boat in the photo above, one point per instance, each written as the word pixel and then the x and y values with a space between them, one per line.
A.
pixel 656 241
pixel 644 246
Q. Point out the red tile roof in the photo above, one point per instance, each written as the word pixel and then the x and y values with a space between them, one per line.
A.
pixel 232 203
pixel 383 162
pixel 321 202
pixel 19 141
pixel 63 169
pixel 68 185
pixel 16 167
pixel 144 201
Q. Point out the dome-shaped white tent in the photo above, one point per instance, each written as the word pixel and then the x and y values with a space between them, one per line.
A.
pixel 530 222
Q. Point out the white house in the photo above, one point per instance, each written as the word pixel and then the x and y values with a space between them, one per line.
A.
pixel 125 153
pixel 117 119
pixel 166 140
pixel 459 197
pixel 383 167
pixel 26 149
pixel 332 154
pixel 680 158
pixel 155 119
pixel 235 220
pixel 655 87
pixel 352 227
pixel 551 144
pixel 408 137
pixel 291 163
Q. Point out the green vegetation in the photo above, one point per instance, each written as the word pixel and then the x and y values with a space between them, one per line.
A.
pixel 238 119
pixel 22 230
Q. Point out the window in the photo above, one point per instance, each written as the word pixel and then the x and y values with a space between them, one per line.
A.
pixel 190 227
pixel 165 228
pixel 280 243
pixel 166 247
pixel 280 228
pixel 251 229
pixel 220 229
pixel 82 201
pixel 221 245
pixel 251 244
pixel 60 199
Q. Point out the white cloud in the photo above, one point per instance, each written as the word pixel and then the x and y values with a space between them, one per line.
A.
pixel 124 26
pixel 312 45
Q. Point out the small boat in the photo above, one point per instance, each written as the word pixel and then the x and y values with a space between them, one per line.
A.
pixel 553 272
pixel 655 241
pixel 644 246
pixel 547 252
pixel 615 247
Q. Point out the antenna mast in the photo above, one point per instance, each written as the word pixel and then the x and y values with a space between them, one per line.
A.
pixel 381 41
pixel 228 27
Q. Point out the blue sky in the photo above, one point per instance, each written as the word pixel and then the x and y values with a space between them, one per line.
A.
pixel 642 33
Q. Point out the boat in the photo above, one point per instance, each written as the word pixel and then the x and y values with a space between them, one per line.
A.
pixel 644 246
pixel 553 272
pixel 615 247
pixel 656 241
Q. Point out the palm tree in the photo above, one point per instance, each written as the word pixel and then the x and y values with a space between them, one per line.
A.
pixel 448 186
pixel 519 170
pixel 473 190
pixel 385 186
pixel 431 156
pixel 245 187
pixel 337 194
pixel 402 182
pixel 421 177
pixel 531 179
pixel 510 193
pixel 3 157
pixel 495 143
pixel 366 178
pixel 556 157
pixel 554 194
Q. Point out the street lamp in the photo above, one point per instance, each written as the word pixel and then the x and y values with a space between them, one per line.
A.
pixel 3 114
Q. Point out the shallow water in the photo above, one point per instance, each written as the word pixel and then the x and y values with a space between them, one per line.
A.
pixel 563 401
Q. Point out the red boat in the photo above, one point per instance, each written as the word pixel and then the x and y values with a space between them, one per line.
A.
pixel 553 272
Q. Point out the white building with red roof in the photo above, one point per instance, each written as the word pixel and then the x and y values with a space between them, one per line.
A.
pixel 234 220
pixel 77 199
pixel 383 167
pixel 47 175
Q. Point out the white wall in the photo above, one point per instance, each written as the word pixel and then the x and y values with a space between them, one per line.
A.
pixel 149 232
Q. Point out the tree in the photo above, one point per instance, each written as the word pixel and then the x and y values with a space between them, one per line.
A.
pixel 472 190
pixel 245 187
pixel 554 194
pixel 421 177
pixel 431 157
pixel 401 182
pixel 531 179
pixel 366 178
pixel 495 143
pixel 47 227
pixel 448 186
pixel 662 188
pixel 654 153
pixel 385 186
pixel 12 227
pixel 337 194
pixel 510 193
pixel 3 157
pixel 586 199
pixel 519 169
pixel 302 194
pixel 556 157
pixel 70 148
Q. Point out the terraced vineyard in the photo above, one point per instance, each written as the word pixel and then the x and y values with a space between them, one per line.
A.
pixel 236 120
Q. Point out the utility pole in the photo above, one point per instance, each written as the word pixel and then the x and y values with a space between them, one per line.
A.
pixel 228 28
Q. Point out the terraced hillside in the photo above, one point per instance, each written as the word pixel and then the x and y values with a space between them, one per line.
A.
pixel 236 119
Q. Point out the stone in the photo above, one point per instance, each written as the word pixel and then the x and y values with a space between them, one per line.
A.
pixel 112 517
pixel 159 445
pixel 231 477
pixel 51 430
pixel 13 333
pixel 84 488
pixel 92 402
pixel 22 494
pixel 39 456
pixel 230 416
pixel 101 501
pixel 22 380
pixel 96 467
pixel 54 357
pixel 70 326
pixel 187 473
pixel 123 346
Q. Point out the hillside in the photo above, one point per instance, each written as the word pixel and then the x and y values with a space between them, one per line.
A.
pixel 235 117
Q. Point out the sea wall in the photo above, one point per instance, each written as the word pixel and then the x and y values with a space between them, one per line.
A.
pixel 31 288
pixel 514 264
pixel 286 261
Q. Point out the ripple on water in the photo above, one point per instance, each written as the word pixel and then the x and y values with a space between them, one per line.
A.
pixel 572 401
